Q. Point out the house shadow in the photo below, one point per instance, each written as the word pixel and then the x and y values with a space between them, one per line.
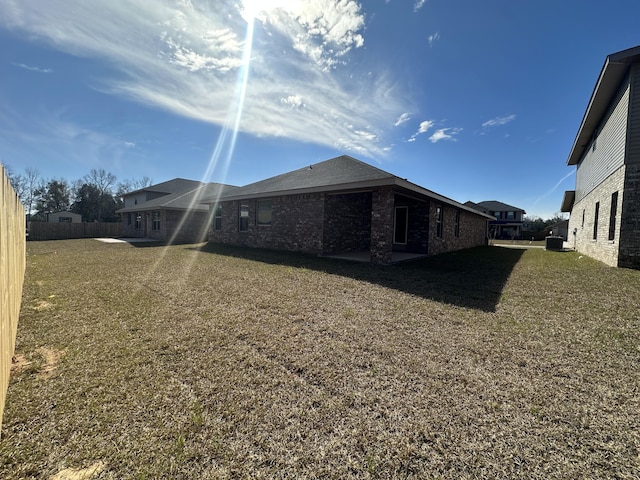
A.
pixel 471 278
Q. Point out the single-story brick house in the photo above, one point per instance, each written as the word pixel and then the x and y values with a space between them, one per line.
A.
pixel 344 205
pixel 171 211
pixel 605 205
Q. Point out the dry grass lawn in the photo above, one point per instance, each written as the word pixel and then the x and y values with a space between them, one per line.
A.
pixel 220 363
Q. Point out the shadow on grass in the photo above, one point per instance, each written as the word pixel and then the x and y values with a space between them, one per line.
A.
pixel 471 278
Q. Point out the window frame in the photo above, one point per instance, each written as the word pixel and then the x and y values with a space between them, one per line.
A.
pixel 243 216
pixel 259 210
pixel 155 220
pixel 217 217
pixel 595 221
pixel 439 221
pixel 612 216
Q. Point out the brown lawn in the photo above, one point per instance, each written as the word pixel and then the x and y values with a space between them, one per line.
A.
pixel 222 363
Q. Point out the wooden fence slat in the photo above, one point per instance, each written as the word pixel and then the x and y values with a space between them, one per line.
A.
pixel 12 269
pixel 62 231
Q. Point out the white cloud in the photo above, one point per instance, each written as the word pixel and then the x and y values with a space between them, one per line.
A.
pixel 433 38
pixel 445 134
pixel 494 122
pixel 33 69
pixel 423 128
pixel 405 117
pixel 418 5
pixel 186 57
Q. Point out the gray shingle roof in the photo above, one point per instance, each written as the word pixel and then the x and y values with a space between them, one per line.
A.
pixel 337 171
pixel 495 206
pixel 187 199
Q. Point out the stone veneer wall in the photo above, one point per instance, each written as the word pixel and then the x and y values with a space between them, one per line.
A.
pixel 602 248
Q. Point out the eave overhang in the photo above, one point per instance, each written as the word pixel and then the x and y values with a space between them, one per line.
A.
pixel 395 182
pixel 614 71
pixel 567 201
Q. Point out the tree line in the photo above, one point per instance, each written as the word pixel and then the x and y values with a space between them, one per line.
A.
pixel 96 196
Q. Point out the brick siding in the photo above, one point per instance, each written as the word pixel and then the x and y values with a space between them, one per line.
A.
pixel 601 248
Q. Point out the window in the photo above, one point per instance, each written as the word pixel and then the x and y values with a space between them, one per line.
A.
pixel 439 218
pixel 497 215
pixel 138 221
pixel 129 218
pixel 217 217
pixel 156 220
pixel 583 210
pixel 65 220
pixel 612 215
pixel 243 223
pixel 511 215
pixel 263 214
pixel 595 221
pixel 456 228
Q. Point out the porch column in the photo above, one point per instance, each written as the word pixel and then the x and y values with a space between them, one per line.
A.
pixel 382 203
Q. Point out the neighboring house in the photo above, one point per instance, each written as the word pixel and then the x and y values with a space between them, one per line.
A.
pixel 507 220
pixel 560 229
pixel 64 217
pixel 171 211
pixel 344 205
pixel 605 205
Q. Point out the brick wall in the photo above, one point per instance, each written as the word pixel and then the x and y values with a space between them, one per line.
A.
pixel 347 225
pixel 629 230
pixel 175 226
pixel 382 225
pixel 601 248
pixel 325 224
pixel 472 230
pixel 297 224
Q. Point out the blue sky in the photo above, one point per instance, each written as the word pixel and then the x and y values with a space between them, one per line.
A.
pixel 474 100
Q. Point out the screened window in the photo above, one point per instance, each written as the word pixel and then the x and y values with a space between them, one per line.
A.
pixel 156 220
pixel 243 224
pixel 456 229
pixel 595 221
pixel 138 221
pixel 65 220
pixel 439 219
pixel 264 212
pixel 612 215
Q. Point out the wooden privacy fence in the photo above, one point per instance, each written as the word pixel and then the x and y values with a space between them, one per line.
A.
pixel 61 231
pixel 12 268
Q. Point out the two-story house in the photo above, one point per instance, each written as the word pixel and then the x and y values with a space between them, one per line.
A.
pixel 605 205
pixel 171 211
pixel 508 220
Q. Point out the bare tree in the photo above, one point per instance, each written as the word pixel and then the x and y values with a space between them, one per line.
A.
pixel 25 186
pixel 104 181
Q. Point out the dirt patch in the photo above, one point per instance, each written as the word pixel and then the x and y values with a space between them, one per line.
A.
pixel 79 473
pixel 51 358
pixel 19 363
pixel 42 305
pixel 43 362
